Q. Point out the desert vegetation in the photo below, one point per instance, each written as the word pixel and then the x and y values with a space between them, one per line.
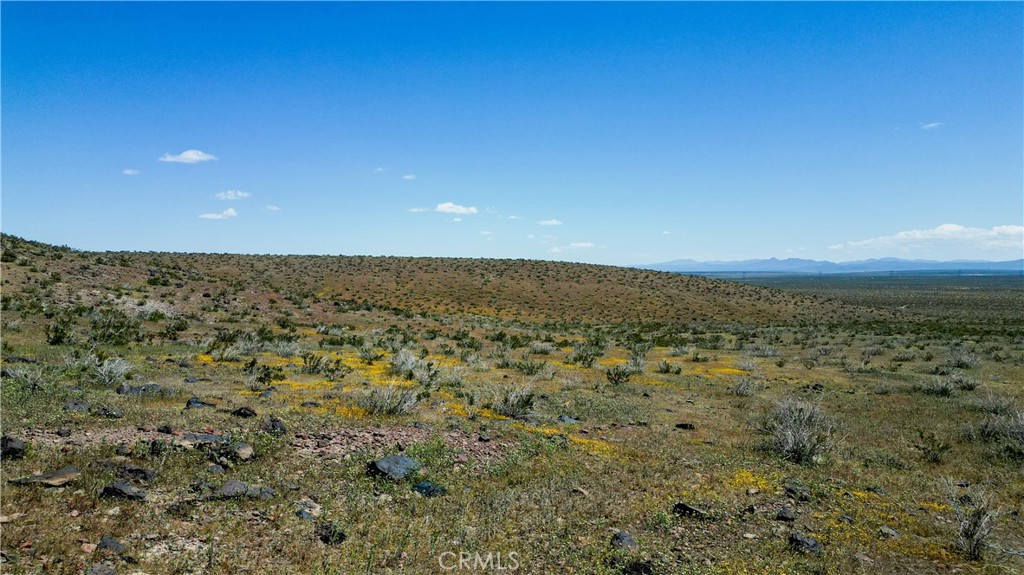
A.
pixel 191 413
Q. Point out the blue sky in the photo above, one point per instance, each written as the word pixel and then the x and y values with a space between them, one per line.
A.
pixel 606 133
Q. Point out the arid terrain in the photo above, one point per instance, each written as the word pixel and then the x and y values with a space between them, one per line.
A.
pixel 213 413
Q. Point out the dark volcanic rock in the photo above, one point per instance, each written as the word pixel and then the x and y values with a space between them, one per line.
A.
pixel 108 412
pixel 686 426
pixel 429 489
pixel 11 448
pixel 274 426
pixel 51 479
pixel 76 406
pixel 244 412
pixel 786 514
pixel 330 533
pixel 804 543
pixel 567 419
pixel 100 569
pixel 623 540
pixel 144 389
pixel 235 489
pixel 133 472
pixel 196 403
pixel 687 510
pixel 123 490
pixel 394 466
pixel 110 543
pixel 798 492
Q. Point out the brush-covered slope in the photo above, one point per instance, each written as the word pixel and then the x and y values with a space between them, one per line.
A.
pixel 523 289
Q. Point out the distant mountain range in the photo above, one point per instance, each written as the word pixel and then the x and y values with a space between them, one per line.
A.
pixel 802 266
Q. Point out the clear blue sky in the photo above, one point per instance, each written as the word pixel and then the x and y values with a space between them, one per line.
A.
pixel 608 133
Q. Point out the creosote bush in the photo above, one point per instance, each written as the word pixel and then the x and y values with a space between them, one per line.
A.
pixel 976 516
pixel 515 401
pixel 389 400
pixel 797 430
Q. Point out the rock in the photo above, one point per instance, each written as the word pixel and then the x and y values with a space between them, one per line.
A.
pixel 330 533
pixel 804 543
pixel 11 448
pixel 638 568
pixel 108 412
pixel 197 439
pixel 864 558
pixel 273 426
pixel 123 490
pixel 245 412
pixel 308 509
pixel 786 514
pixel 150 388
pixel 242 451
pixel 267 394
pixel 51 479
pixel 133 472
pixel 215 469
pixel 483 438
pixel 421 425
pixel 888 532
pixel 686 510
pixel 686 426
pixel 235 489
pixel 165 429
pixel 429 489
pixel 567 419
pixel 846 519
pixel 798 492
pixel 100 569
pixel 196 403
pixel 191 379
pixel 76 406
pixel 310 404
pixel 623 540
pixel 110 543
pixel 64 432
pixel 394 466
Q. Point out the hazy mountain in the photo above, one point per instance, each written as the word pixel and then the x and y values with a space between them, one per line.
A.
pixel 803 266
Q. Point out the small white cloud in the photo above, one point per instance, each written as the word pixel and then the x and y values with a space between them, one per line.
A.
pixel 379 170
pixel 530 236
pixel 418 210
pixel 452 208
pixel 486 233
pixel 581 245
pixel 555 250
pixel 931 125
pixel 514 218
pixel 456 219
pixel 272 208
pixel 188 157
pixel 550 222
pixel 666 233
pixel 409 177
pixel 232 195
pixel 130 172
pixel 228 213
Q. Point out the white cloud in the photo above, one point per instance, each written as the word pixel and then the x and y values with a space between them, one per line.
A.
pixel 666 233
pixel 228 213
pixel 272 208
pixel 931 125
pixel 514 217
pixel 995 238
pixel 550 222
pixel 530 236
pixel 188 157
pixel 555 250
pixel 418 210
pixel 232 195
pixel 581 245
pixel 452 208
pixel 130 172
pixel 409 177
pixel 456 219
pixel 486 233
pixel 379 170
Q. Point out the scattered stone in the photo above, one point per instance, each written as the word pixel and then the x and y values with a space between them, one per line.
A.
pixel 165 429
pixel 753 491
pixel 330 533
pixel 51 479
pixel 100 569
pixel 267 394
pixel 110 543
pixel 150 388
pixel 245 412
pixel 242 451
pixel 429 489
pixel 76 406
pixel 581 491
pixel 686 510
pixel 132 472
pixel 123 490
pixel 191 379
pixel 308 509
pixel 888 532
pixel 798 492
pixel 623 540
pixel 274 426
pixel 567 419
pixel 686 426
pixel 638 568
pixel 804 543
pixel 750 536
pixel 234 489
pixel 846 519
pixel 394 466
pixel 64 432
pixel 310 404
pixel 88 548
pixel 196 403
pixel 215 469
pixel 864 558
pixel 197 439
pixel 108 412
pixel 11 448
pixel 483 438
pixel 786 514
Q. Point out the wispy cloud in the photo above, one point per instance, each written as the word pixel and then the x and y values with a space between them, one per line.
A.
pixel 409 177
pixel 456 219
pixel 931 125
pixel 453 208
pixel 666 233
pixel 995 238
pixel 130 172
pixel 188 157
pixel 550 222
pixel 581 245
pixel 228 213
pixel 419 210
pixel 379 170
pixel 232 195
pixel 272 208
